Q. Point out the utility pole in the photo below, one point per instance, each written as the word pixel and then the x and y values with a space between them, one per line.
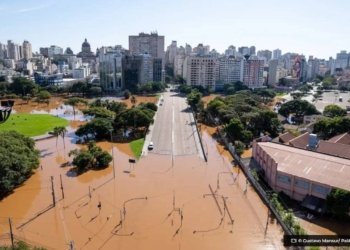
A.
pixel 62 186
pixel 112 153
pixel 53 192
pixel 11 234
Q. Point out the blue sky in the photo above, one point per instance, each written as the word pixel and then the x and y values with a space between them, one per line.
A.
pixel 312 27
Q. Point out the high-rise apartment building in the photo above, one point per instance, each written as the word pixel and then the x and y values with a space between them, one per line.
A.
pixel 54 50
pixel 342 60
pixel 27 50
pixel 272 76
pixel 266 55
pixel 110 68
pixel 252 50
pixel 244 51
pixel 13 50
pixel 253 72
pixel 201 50
pixel 201 71
pixel 44 51
pixel 231 70
pixel 151 44
pixel 231 51
pixel 276 54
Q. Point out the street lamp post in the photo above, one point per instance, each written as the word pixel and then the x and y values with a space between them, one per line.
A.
pixel 112 153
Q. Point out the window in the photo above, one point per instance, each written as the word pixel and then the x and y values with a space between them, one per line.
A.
pixel 283 178
pixel 320 189
pixel 302 184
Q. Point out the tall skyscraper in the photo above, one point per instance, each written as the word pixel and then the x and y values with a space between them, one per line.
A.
pixel 231 51
pixel 151 44
pixel 110 68
pixel 27 50
pixel 272 77
pixel 13 50
pixel 277 53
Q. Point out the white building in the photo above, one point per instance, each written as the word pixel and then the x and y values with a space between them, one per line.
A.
pixel 81 73
pixel 27 50
pixel 231 70
pixel 54 50
pixel 13 51
pixel 179 64
pixel 201 71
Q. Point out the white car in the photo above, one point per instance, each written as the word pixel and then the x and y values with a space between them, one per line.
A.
pixel 150 146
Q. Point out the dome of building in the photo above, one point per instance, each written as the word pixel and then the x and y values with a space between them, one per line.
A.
pixel 85 47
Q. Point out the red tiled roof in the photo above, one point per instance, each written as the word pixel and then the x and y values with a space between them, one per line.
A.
pixel 332 148
pixel 300 141
pixel 286 137
pixel 343 139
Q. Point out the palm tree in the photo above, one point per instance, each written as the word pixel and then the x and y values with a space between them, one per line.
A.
pixel 56 133
pixel 75 101
pixel 60 131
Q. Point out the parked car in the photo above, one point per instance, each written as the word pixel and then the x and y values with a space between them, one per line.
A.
pixel 150 146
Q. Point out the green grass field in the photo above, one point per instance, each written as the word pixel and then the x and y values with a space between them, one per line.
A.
pixel 32 124
pixel 136 147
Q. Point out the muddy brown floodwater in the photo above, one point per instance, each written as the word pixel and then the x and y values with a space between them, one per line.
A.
pixel 157 203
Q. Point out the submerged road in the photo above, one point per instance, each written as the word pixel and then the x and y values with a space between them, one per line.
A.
pixel 174 130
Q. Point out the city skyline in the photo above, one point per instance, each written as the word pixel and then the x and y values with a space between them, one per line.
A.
pixel 308 30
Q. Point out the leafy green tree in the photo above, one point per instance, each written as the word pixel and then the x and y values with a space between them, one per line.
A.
pixel 329 127
pixel 338 203
pixel 214 107
pixel 100 112
pixel 92 157
pixel 94 91
pixel 184 88
pixel 79 88
pixel 117 107
pixel 60 131
pixel 194 98
pixel 333 110
pixel 23 86
pixel 298 107
pixel 43 96
pixel 328 82
pixel 18 158
pixel 239 147
pixel 138 118
pixel 74 101
pixel 234 129
pixel 127 94
pixel 98 127
pixel 148 105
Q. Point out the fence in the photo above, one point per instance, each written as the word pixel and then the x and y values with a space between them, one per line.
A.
pixel 261 192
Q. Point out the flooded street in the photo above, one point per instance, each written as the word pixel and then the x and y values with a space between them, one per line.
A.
pixel 150 198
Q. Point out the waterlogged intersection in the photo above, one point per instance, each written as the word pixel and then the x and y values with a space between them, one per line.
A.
pixel 170 199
